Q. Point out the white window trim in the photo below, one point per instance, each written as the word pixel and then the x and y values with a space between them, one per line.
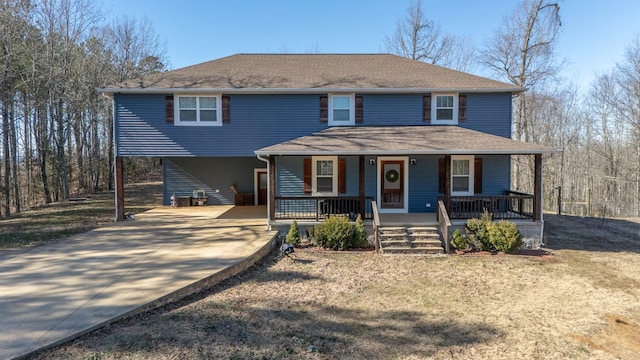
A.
pixel 176 110
pixel 434 109
pixel 314 177
pixel 471 159
pixel 352 110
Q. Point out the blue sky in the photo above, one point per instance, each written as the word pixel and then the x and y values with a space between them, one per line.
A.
pixel 593 38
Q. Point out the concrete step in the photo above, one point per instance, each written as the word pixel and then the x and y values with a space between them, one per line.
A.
pixel 422 229
pixel 412 251
pixel 391 230
pixel 417 243
pixel 392 235
pixel 409 245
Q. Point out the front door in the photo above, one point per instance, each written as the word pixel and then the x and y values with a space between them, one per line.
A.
pixel 392 184
pixel 261 182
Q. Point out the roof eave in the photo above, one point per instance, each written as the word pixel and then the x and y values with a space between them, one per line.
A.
pixel 114 90
pixel 407 152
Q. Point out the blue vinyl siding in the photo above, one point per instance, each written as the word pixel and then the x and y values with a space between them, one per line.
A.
pixel 214 175
pixel 423 184
pixel 496 171
pixel 289 176
pixel 392 110
pixel 256 121
pixel 489 113
pixel 262 120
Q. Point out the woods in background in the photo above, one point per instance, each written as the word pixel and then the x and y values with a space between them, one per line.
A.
pixel 57 131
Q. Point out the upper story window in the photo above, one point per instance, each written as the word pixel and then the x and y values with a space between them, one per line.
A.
pixel 444 109
pixel 342 109
pixel 198 110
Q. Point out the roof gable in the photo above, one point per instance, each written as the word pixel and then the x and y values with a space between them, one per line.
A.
pixel 313 72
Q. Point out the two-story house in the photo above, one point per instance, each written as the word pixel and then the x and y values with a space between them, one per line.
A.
pixel 309 135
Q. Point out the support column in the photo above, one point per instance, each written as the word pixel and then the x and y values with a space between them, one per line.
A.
pixel 361 186
pixel 447 182
pixel 537 188
pixel 272 188
pixel 119 178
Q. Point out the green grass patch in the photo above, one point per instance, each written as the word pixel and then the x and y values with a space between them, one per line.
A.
pixel 57 221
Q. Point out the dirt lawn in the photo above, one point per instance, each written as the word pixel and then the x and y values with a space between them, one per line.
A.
pixel 580 301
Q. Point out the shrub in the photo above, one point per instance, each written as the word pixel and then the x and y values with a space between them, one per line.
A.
pixel 293 237
pixel 504 236
pixel 477 230
pixel 337 233
pixel 360 233
pixel 459 241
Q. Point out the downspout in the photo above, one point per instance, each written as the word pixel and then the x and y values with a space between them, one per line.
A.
pixel 268 195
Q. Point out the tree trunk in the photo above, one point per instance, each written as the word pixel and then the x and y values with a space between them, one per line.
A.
pixel 14 158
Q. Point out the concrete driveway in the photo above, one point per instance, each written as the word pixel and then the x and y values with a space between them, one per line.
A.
pixel 52 293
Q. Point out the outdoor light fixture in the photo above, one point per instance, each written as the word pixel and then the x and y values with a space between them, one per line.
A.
pixel 372 161
pixel 413 161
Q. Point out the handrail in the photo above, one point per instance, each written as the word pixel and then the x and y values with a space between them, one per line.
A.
pixel 376 224
pixel 511 192
pixel 445 224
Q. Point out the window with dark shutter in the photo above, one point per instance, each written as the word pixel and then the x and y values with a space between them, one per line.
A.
pixel 168 103
pixel 462 107
pixel 342 176
pixel 477 176
pixel 307 175
pixel 359 112
pixel 324 109
pixel 226 109
pixel 426 108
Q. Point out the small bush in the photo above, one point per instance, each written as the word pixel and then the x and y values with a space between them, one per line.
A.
pixel 337 233
pixel 459 241
pixel 477 230
pixel 360 233
pixel 293 237
pixel 504 236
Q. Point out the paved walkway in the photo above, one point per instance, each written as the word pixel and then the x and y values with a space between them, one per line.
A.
pixel 51 293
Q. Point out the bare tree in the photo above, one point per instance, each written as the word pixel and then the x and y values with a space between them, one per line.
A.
pixel 418 38
pixel 522 52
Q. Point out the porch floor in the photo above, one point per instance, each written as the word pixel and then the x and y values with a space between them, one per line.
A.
pixel 415 219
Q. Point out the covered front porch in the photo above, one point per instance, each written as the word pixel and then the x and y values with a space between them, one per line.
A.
pixel 416 175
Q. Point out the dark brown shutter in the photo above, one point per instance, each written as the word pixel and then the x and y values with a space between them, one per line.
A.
pixel 307 176
pixel 462 107
pixel 477 176
pixel 342 176
pixel 359 113
pixel 168 104
pixel 441 176
pixel 426 108
pixel 324 108
pixel 226 109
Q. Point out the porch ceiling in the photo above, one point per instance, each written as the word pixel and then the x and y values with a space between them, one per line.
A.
pixel 402 140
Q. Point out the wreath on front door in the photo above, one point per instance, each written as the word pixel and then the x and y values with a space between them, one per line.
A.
pixel 392 176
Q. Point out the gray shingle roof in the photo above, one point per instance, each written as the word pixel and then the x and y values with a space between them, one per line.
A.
pixel 288 72
pixel 401 140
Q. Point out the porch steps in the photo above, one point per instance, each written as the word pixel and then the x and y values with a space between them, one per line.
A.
pixel 410 240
